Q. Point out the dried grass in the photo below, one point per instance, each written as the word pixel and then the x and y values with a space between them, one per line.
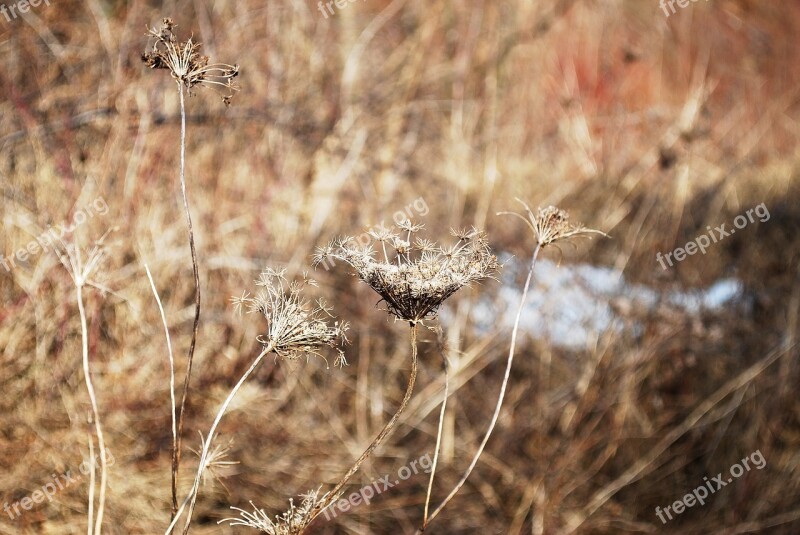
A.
pixel 645 127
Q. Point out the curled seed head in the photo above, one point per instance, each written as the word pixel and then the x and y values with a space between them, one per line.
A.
pixel 186 64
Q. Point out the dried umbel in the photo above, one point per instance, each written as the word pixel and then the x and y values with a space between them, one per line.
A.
pixel 292 522
pixel 551 224
pixel 415 275
pixel 185 63
pixel 215 463
pixel 296 326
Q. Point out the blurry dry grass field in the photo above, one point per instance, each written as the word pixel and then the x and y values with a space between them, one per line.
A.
pixel 646 127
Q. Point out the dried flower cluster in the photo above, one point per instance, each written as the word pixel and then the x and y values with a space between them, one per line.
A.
pixel 184 61
pixel 296 326
pixel 418 275
pixel 551 224
pixel 292 522
pixel 215 463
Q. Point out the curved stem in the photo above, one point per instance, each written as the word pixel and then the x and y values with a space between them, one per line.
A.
pixel 171 389
pixel 176 453
pixel 497 408
pixel 438 439
pixel 192 497
pixel 332 495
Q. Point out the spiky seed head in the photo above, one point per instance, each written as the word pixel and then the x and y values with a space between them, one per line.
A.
pixel 292 522
pixel 382 234
pixel 415 281
pixel 550 225
pixel 185 63
pixel 296 326
pixel 215 462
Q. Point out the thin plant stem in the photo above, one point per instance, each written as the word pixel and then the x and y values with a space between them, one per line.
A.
pixel 176 453
pixel 210 438
pixel 500 398
pixel 438 438
pixel 387 429
pixel 98 520
pixel 171 384
pixel 92 480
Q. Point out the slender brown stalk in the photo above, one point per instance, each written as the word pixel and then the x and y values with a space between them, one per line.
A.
pixel 387 429
pixel 189 68
pixel 176 452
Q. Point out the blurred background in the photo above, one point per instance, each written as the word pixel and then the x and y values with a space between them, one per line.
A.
pixel 632 382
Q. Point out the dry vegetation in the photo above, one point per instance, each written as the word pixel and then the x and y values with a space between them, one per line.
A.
pixel 646 127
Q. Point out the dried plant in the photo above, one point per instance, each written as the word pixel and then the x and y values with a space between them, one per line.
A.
pixel 417 277
pixel 81 273
pixel 189 69
pixel 171 360
pixel 549 226
pixel 413 280
pixel 215 461
pixel 184 61
pixel 292 522
pixel 296 327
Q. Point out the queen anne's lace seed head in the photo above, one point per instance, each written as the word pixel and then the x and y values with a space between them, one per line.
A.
pixel 185 63
pixel 550 225
pixel 296 326
pixel 292 522
pixel 415 276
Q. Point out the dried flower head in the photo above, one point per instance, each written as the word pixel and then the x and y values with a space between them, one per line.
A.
pixel 185 63
pixel 292 522
pixel 215 464
pixel 551 224
pixel 296 326
pixel 416 277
